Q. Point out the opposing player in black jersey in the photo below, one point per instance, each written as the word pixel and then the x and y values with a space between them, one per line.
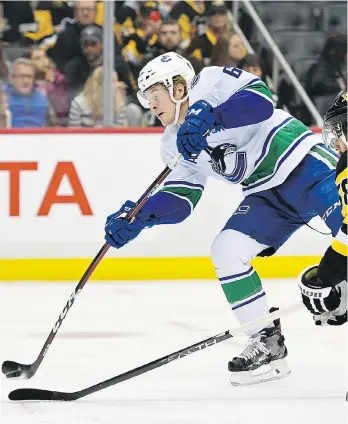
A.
pixel 324 286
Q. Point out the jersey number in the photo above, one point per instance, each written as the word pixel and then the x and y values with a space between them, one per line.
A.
pixel 233 72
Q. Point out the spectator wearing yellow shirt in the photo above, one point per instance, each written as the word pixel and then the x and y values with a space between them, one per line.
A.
pixel 188 14
pixel 137 42
pixel 208 35
pixel 49 17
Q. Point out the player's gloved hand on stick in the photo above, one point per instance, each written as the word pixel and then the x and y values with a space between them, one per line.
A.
pixel 327 304
pixel 118 231
pixel 199 122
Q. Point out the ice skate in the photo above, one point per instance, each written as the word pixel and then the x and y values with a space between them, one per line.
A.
pixel 263 359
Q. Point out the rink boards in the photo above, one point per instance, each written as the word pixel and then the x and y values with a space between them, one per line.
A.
pixel 57 188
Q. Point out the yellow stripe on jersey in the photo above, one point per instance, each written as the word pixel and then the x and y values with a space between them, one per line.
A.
pixel 341 176
pixel 198 8
pixel 185 25
pixel 99 20
pixel 197 53
pixel 211 37
pixel 131 53
pixel 340 248
pixel 342 187
pixel 43 18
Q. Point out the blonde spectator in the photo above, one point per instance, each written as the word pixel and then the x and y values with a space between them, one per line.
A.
pixel 50 82
pixel 87 108
pixel 228 52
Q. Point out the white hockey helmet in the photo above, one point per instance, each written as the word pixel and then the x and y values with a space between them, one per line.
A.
pixel 162 70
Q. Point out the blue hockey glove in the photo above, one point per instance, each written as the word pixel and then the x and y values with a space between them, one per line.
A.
pixel 118 231
pixel 199 122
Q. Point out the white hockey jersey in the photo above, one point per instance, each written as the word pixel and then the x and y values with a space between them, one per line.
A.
pixel 258 156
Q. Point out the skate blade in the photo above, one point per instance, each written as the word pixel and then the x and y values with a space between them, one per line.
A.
pixel 273 371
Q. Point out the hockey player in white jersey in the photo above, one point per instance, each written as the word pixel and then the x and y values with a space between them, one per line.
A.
pixel 224 124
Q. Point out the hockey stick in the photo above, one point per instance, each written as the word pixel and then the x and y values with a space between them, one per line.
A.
pixel 38 394
pixel 14 369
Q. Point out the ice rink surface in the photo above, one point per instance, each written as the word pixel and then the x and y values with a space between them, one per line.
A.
pixel 114 327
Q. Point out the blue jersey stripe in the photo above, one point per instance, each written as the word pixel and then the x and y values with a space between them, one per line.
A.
pixel 229 277
pixel 248 301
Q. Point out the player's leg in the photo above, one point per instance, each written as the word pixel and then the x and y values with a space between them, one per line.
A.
pixel 257 227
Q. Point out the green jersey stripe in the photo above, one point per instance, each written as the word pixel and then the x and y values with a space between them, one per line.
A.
pixel 260 88
pixel 281 141
pixel 325 155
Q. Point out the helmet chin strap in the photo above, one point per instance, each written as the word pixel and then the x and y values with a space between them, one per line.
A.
pixel 177 112
pixel 178 104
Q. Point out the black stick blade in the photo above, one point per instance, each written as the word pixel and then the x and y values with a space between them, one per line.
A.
pixel 38 394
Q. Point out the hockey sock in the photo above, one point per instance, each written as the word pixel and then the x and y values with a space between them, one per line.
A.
pixel 245 294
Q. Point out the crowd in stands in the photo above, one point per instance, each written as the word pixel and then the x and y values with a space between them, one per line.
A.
pixel 51 57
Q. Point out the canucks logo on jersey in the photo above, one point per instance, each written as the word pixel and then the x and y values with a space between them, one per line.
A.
pixel 218 162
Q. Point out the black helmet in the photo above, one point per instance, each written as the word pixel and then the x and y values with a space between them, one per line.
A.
pixel 335 121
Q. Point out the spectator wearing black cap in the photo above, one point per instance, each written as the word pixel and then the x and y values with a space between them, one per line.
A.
pixel 78 69
pixel 68 45
pixel 208 35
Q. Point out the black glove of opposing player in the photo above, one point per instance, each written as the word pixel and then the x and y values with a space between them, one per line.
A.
pixel 324 302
